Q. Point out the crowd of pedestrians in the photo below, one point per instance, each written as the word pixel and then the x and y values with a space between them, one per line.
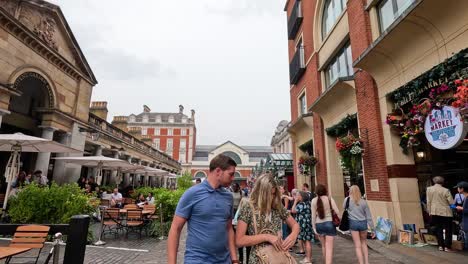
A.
pixel 224 221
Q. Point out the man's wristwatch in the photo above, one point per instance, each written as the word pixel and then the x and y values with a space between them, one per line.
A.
pixel 235 261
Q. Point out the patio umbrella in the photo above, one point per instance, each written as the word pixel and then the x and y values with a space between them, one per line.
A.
pixel 100 163
pixel 147 171
pixel 17 143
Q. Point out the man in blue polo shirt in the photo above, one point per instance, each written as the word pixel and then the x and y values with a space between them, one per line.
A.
pixel 208 209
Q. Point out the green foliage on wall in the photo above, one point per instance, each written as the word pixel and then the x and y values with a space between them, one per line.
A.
pixel 347 124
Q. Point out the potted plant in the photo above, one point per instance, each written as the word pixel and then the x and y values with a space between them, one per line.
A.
pixel 306 163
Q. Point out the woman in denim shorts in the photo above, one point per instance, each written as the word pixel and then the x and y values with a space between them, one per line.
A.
pixel 360 219
pixel 322 206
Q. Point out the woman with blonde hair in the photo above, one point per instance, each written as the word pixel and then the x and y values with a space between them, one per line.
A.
pixel 266 210
pixel 323 207
pixel 360 219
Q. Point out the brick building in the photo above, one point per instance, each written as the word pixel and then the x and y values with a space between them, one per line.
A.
pixel 173 133
pixel 351 63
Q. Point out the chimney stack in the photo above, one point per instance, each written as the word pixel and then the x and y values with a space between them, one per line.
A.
pixel 121 122
pixel 193 115
pixel 146 109
pixel 181 109
pixel 99 109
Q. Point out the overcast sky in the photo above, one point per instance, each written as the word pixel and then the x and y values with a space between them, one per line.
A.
pixel 227 59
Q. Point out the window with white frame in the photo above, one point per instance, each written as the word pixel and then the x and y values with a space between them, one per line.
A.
pixel 145 118
pixel 183 132
pixel 340 66
pixel 170 132
pixel 390 10
pixel 331 11
pixel 302 104
pixel 171 119
pixel 184 120
pixel 156 143
pixel 157 131
pixel 170 145
pixel 158 119
pixel 183 144
pixel 144 131
pixel 182 156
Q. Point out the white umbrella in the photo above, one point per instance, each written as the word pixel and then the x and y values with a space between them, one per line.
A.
pixel 17 143
pixel 99 162
pixel 147 171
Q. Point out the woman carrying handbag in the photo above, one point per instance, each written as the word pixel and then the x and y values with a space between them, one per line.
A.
pixel 360 219
pixel 325 220
pixel 262 217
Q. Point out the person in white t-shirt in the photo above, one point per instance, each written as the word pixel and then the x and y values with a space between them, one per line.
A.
pixel 150 198
pixel 116 198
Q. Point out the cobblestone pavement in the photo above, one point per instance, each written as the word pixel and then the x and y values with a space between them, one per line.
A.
pixel 151 250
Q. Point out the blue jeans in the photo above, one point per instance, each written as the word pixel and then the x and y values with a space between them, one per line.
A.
pixel 285 230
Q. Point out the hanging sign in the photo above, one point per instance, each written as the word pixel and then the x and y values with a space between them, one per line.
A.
pixel 444 128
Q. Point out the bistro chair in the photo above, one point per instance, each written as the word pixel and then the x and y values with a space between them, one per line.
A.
pixel 111 221
pixel 131 206
pixel 134 222
pixel 29 236
pixel 105 203
pixel 128 201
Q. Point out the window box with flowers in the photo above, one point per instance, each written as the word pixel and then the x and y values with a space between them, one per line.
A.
pixel 306 163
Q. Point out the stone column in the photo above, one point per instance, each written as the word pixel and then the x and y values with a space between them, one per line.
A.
pixel 138 177
pixel 127 175
pixel 97 152
pixel 72 172
pixel 114 172
pixel 43 158
pixel 59 166
pixel 2 113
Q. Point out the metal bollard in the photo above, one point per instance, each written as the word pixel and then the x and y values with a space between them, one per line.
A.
pixel 162 237
pixel 102 210
pixel 57 242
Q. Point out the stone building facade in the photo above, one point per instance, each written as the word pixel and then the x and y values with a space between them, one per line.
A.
pixel 172 133
pixel 281 141
pixel 246 157
pixel 45 91
pixel 346 57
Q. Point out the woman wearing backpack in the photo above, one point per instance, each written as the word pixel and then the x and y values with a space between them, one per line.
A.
pixel 360 219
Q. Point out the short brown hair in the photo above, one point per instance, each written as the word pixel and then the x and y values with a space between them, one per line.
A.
pixel 223 162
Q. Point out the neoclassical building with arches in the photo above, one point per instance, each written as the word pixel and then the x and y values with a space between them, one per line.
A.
pixel 246 157
pixel 346 57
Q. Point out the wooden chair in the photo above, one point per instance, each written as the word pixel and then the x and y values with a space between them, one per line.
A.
pixel 134 222
pixel 112 223
pixel 104 202
pixel 131 206
pixel 29 236
pixel 128 201
pixel 152 208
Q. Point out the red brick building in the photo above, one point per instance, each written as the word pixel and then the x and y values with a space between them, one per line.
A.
pixel 173 133
pixel 347 58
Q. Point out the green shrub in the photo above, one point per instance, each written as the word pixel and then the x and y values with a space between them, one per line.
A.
pixel 185 181
pixel 142 190
pixel 49 205
pixel 156 231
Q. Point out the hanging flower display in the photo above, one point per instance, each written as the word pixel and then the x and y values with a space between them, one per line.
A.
pixel 306 163
pixel 350 149
pixel 410 125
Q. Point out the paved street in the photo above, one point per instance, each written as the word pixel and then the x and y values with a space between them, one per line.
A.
pixel 150 250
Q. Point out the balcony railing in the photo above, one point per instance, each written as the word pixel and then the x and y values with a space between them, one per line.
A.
pixel 295 20
pixel 297 66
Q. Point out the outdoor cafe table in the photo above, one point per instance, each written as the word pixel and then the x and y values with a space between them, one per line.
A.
pixel 6 252
pixel 143 212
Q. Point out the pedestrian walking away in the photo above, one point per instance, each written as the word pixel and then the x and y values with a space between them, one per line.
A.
pixel 322 221
pixel 208 209
pixel 360 219
pixel 439 200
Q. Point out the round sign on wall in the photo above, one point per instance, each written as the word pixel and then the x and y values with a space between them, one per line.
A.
pixel 444 128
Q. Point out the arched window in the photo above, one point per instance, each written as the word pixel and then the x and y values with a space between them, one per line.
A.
pixel 233 156
pixel 200 174
pixel 331 11
pixel 237 175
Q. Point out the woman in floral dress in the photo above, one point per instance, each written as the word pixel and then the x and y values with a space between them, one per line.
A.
pixel 270 214
pixel 303 212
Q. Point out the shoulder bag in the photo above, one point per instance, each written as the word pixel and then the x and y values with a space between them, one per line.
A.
pixel 268 254
pixel 344 225
pixel 335 218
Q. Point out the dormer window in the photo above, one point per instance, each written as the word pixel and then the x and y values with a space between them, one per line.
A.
pixel 171 119
pixel 132 119
pixel 184 120
pixel 158 119
pixel 145 119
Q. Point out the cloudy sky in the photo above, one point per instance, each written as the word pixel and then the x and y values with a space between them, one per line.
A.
pixel 227 59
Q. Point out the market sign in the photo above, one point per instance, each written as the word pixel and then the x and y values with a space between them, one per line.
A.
pixel 444 128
